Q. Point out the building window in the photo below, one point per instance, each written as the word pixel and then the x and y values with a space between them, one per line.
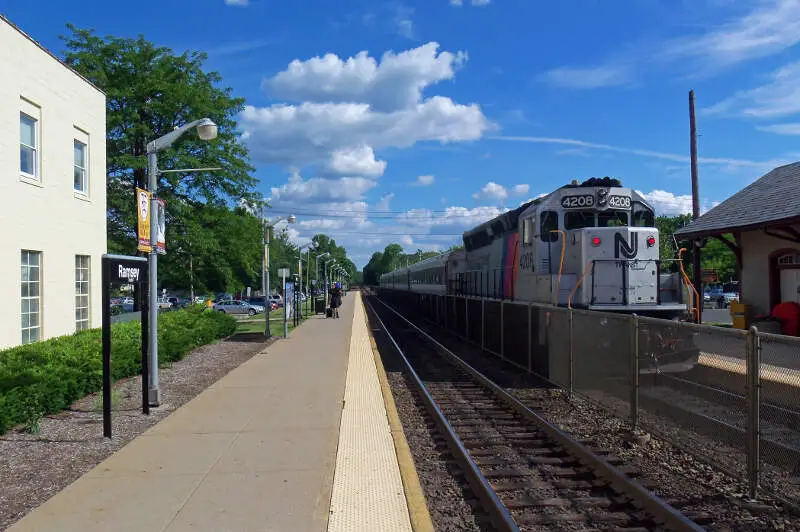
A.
pixel 31 295
pixel 81 292
pixel 28 146
pixel 81 175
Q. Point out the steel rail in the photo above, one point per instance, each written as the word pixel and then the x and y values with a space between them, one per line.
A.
pixel 498 513
pixel 648 501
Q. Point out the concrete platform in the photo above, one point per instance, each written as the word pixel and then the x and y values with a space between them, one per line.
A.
pixel 257 450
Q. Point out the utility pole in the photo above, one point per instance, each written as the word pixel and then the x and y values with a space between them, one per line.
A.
pixel 698 275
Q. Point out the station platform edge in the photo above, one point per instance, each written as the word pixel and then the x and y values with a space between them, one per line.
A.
pixel 304 437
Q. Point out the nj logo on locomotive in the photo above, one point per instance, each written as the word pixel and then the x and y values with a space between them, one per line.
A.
pixel 621 246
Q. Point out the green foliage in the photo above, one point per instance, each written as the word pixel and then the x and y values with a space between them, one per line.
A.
pixel 713 255
pixel 391 259
pixel 46 377
pixel 151 90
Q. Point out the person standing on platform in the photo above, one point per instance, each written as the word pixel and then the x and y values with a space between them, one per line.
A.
pixel 336 299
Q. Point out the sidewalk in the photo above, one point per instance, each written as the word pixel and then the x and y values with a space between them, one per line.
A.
pixel 255 451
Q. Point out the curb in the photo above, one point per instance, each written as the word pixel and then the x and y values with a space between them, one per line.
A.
pixel 415 497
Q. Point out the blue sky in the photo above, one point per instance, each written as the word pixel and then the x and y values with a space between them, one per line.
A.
pixel 411 121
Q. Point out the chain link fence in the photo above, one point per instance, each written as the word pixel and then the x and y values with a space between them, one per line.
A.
pixel 730 397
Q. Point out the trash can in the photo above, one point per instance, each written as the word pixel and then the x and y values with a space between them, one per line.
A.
pixel 319 305
pixel 740 314
pixel 789 315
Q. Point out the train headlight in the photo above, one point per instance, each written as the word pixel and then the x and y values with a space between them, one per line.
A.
pixel 651 241
pixel 596 241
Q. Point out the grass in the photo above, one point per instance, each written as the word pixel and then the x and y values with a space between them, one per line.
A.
pixel 256 323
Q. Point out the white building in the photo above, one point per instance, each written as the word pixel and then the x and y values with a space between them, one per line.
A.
pixel 52 180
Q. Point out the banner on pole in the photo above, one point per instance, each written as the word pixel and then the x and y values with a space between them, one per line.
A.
pixel 162 226
pixel 143 216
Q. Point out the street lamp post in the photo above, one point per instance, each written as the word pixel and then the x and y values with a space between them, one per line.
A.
pixel 316 262
pixel 265 265
pixel 206 130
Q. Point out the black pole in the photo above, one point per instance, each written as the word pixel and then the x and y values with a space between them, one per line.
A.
pixel 145 320
pixel 106 280
pixel 698 276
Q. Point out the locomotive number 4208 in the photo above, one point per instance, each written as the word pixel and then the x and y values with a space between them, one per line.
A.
pixel 619 202
pixel 571 202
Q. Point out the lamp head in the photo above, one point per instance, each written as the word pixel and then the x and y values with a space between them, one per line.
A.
pixel 207 130
pixel 291 219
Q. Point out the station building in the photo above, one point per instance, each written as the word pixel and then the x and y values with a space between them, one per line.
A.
pixel 761 225
pixel 53 185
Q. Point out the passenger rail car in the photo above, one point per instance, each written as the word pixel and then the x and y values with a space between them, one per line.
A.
pixel 590 245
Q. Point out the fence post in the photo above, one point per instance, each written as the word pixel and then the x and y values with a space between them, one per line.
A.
pixel 502 330
pixel 571 350
pixel 634 372
pixel 530 340
pixel 753 355
pixel 483 323
pixel 466 317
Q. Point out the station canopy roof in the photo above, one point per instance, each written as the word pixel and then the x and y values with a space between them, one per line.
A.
pixel 772 201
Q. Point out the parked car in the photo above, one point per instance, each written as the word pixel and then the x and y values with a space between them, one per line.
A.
pixel 277 299
pixel 238 307
pixel 261 301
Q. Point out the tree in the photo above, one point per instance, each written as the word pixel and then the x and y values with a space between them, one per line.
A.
pixel 150 91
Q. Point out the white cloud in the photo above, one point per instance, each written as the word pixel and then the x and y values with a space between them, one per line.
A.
pixel 425 180
pixel 313 131
pixel 767 28
pixel 589 77
pixel 358 161
pixel 668 204
pixel 771 27
pixel 520 190
pixel 351 107
pixel 403 21
pixel 459 3
pixel 319 190
pixel 396 83
pixel 237 2
pixel 782 129
pixel 383 204
pixel 761 166
pixel 779 97
pixel 491 192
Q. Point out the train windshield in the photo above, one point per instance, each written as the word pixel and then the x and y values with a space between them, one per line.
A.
pixel 581 219
pixel 642 215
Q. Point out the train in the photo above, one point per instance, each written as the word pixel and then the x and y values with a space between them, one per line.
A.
pixel 589 245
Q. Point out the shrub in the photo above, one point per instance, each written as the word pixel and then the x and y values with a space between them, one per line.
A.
pixel 46 377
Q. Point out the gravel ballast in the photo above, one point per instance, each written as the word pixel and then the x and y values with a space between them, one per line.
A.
pixel 715 499
pixel 34 467
pixel 451 503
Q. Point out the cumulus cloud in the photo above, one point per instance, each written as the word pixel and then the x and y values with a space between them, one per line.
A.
pixel 520 190
pixel 313 131
pixel 351 107
pixel 319 190
pixel 491 192
pixel 397 82
pixel 425 180
pixel 358 161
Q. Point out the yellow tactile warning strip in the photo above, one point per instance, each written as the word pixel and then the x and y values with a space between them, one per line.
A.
pixel 415 497
pixel 367 488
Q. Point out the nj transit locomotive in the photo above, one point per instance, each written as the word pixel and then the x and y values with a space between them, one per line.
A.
pixel 590 245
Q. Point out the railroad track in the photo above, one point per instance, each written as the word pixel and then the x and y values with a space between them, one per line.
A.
pixel 526 472
pixel 722 415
